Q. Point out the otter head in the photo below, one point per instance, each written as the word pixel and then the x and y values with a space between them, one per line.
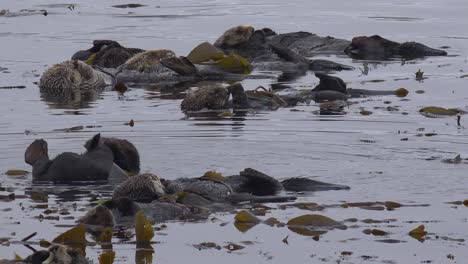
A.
pixel 94 143
pixel 36 151
pixel 158 186
pixel 66 76
pixel 58 254
pixel 99 216
pixel 370 46
pixel 239 98
pixel 235 36
pixel 216 97
pixel 60 77
pixel 100 44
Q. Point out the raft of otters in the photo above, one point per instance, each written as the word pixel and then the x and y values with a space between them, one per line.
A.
pixel 232 56
pixel 160 199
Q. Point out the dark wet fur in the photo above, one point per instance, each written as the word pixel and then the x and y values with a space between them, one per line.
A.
pixel 126 155
pixel 304 184
pixel 109 53
pixel 330 83
pixel 239 98
pixel 254 182
pixel 377 47
pixel 98 216
pixel 124 206
pixel 68 166
pixel 212 98
pixel 37 257
pixel 181 65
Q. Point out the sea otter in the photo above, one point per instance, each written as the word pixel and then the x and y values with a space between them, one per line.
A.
pixel 106 53
pixel 126 155
pixel 377 47
pixel 94 165
pixel 72 76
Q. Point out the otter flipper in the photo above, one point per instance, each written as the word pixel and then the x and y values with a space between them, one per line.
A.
pixel 181 65
pixel 330 83
pixel 285 53
pixel 305 184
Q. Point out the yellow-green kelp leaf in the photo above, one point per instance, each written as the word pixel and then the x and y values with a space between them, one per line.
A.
pixel 234 63
pixel 144 255
pixel 213 175
pixel 16 172
pixel 245 216
pixel 143 228
pixel 205 52
pixel 106 235
pixel 107 257
pixel 418 233
pixel 91 59
pixel 434 111
pixel 244 221
pixel 365 112
pixel 375 232
pixel 313 225
pixel 401 92
pixel 313 220
pixel 74 237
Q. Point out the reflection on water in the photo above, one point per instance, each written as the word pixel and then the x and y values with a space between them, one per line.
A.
pixel 75 100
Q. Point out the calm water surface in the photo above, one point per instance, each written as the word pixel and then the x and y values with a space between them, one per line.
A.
pixel 364 152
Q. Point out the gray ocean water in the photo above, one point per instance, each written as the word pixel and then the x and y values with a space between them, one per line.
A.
pixel 364 152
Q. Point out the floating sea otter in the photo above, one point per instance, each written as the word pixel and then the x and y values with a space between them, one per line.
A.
pixel 163 200
pixel 95 165
pixel 71 76
pixel 376 47
pixel 106 53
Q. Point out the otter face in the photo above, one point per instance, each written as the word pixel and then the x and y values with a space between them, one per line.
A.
pixel 58 254
pixel 98 216
pixel 69 75
pixel 140 188
pixel 36 151
pixel 370 46
pixel 157 185
pixel 234 36
pixel 60 77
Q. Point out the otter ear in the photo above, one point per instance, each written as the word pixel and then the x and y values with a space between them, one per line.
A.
pixel 37 150
pixel 94 142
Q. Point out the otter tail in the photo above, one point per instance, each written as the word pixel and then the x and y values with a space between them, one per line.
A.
pixel 299 184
